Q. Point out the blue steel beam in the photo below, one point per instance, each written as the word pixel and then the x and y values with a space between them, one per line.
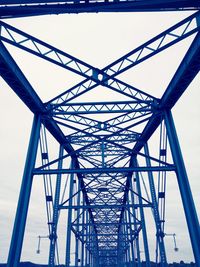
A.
pixel 104 215
pixel 24 197
pixel 77 152
pixel 187 79
pixel 184 75
pixel 69 218
pixel 157 218
pixel 143 52
pixel 102 107
pixel 106 206
pixel 14 77
pixel 91 181
pixel 13 9
pixel 77 227
pixel 187 71
pixel 136 56
pixel 111 128
pixel 154 46
pixel 140 121
pixel 184 187
pixel 20 85
pixel 143 223
pixel 178 3
pixel 93 75
pixel 105 170
pixel 11 73
pixel 139 54
pixel 55 217
pixel 134 117
pixel 95 126
pixel 102 235
pixel 107 224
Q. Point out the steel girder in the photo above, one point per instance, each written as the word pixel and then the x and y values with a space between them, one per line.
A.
pixel 106 76
pixel 108 219
pixel 23 8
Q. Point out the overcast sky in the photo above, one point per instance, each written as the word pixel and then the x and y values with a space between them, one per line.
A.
pixel 98 39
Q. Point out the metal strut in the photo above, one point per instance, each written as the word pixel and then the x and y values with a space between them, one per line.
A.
pixel 53 233
pixel 24 197
pixel 106 224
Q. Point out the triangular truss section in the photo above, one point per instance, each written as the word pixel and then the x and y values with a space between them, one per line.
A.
pixel 115 175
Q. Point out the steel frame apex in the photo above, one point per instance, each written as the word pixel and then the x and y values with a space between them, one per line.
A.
pixel 107 191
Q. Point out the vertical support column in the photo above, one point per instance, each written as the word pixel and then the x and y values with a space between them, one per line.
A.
pixel 96 253
pixel 159 233
pixel 69 224
pixel 129 256
pixel 24 197
pixel 126 233
pixel 144 233
pixel 77 228
pixel 87 241
pixel 132 253
pixel 137 245
pixel 122 254
pixel 53 235
pixel 184 187
pixel 90 244
pixel 119 245
pixel 93 249
pixel 83 239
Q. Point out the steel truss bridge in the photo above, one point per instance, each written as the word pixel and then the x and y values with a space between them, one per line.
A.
pixel 111 177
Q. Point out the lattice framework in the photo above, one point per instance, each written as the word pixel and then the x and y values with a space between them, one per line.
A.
pixel 111 177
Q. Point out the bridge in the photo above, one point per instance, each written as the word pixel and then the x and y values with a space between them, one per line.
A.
pixel 109 174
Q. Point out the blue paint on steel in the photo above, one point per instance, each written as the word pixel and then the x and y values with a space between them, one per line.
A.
pixel 23 202
pixel 184 187
pixel 69 218
pixel 143 223
pixel 108 225
pixel 34 8
pixel 54 224
pixel 157 219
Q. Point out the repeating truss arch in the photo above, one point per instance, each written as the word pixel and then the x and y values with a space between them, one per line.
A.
pixel 106 175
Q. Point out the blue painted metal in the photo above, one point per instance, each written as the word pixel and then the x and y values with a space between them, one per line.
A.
pixel 184 75
pixel 82 243
pixel 23 203
pixel 157 219
pixel 131 59
pixel 53 233
pixel 103 210
pixel 106 170
pixel 136 230
pixel 75 65
pixel 142 217
pixel 34 8
pixel 184 187
pixel 69 218
pixel 101 107
pixel 77 244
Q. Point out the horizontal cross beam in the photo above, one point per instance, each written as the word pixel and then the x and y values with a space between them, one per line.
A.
pixel 105 170
pixel 101 107
pixel 106 224
pixel 25 8
pixel 102 235
pixel 105 206
pixel 93 75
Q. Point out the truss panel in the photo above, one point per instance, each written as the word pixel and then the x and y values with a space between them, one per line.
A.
pixel 106 176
